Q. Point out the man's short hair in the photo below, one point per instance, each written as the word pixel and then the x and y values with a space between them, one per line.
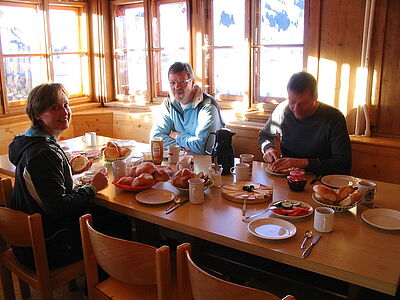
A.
pixel 301 82
pixel 179 67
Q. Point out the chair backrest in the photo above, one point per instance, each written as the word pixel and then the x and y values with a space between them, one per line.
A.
pixel 194 283
pixel 5 191
pixel 22 230
pixel 130 262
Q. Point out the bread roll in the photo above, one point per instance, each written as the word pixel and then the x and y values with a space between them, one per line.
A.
pixel 132 172
pixel 147 167
pixel 350 199
pixel 143 180
pixel 319 198
pixel 125 151
pixel 126 180
pixel 112 144
pixel 79 163
pixel 161 175
pixel 110 152
pixel 169 170
pixel 344 191
pixel 325 192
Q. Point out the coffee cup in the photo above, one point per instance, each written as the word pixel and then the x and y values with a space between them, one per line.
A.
pixel 196 190
pixel 241 171
pixel 90 139
pixel 367 190
pixel 186 162
pixel 323 219
pixel 119 168
pixel 173 154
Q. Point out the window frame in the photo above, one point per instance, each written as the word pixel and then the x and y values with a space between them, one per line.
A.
pixel 42 8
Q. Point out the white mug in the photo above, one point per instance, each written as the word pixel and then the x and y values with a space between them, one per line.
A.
pixel 119 168
pixel 90 139
pixel 186 162
pixel 242 172
pixel 367 190
pixel 196 190
pixel 173 154
pixel 323 219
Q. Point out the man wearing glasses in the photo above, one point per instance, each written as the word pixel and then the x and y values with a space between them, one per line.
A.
pixel 188 115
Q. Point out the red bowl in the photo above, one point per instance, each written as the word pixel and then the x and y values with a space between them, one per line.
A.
pixel 133 188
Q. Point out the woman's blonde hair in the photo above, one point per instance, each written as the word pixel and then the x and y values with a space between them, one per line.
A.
pixel 42 97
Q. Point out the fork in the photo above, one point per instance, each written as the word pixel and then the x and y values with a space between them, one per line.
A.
pixel 175 200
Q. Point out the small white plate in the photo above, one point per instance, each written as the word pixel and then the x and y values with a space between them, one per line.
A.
pixel 383 218
pixel 271 229
pixel 337 181
pixel 275 173
pixel 155 196
pixel 302 204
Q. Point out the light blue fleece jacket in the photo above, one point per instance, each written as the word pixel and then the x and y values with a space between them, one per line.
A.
pixel 195 123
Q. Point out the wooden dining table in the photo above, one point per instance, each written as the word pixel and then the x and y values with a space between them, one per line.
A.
pixel 354 251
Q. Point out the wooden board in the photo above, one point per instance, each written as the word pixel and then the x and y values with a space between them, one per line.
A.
pixel 233 192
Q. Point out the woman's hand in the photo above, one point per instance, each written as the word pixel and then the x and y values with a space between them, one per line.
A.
pixel 270 155
pixel 100 181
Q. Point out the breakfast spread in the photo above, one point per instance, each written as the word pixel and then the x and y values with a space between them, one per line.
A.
pixel 113 150
pixel 345 196
pixel 181 178
pixel 255 192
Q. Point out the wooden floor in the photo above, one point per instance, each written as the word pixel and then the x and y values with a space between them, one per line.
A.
pixel 61 293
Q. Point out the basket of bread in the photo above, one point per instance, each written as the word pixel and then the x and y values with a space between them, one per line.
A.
pixel 143 177
pixel 113 152
pixel 181 179
pixel 340 200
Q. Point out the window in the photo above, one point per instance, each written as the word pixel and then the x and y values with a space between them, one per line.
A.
pixel 279 48
pixel 141 71
pixel 27 61
pixel 250 48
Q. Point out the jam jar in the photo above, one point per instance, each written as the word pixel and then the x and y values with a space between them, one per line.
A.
pixel 297 181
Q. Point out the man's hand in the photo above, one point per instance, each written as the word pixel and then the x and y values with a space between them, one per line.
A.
pixel 174 134
pixel 285 163
pixel 270 155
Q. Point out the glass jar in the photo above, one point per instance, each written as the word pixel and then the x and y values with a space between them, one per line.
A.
pixel 157 150
pixel 215 171
pixel 297 181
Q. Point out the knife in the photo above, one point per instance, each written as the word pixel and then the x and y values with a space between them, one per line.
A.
pixel 308 250
pixel 176 206
pixel 316 178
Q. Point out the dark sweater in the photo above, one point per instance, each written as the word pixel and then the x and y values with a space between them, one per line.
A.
pixel 322 138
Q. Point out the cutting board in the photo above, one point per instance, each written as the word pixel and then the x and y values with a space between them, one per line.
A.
pixel 234 191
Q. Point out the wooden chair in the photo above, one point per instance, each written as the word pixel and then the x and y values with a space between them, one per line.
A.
pixel 194 283
pixel 5 191
pixel 23 230
pixel 137 271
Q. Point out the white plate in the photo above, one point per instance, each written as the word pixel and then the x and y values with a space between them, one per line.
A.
pixel 337 181
pixel 271 229
pixel 382 218
pixel 155 196
pixel 276 174
pixel 303 204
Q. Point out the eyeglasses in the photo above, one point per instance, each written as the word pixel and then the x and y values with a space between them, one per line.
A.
pixel 180 82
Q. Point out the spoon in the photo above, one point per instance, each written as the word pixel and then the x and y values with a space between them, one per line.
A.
pixel 307 235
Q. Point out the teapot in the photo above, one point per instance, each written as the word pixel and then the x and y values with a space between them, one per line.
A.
pixel 222 150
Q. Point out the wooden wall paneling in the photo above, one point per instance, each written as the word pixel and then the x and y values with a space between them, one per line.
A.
pixel 135 126
pixel 340 54
pixel 101 123
pixel 8 132
pixel 376 163
pixel 375 60
pixel 312 35
pixel 389 102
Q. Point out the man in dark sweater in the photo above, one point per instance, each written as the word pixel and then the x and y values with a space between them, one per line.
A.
pixel 314 135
